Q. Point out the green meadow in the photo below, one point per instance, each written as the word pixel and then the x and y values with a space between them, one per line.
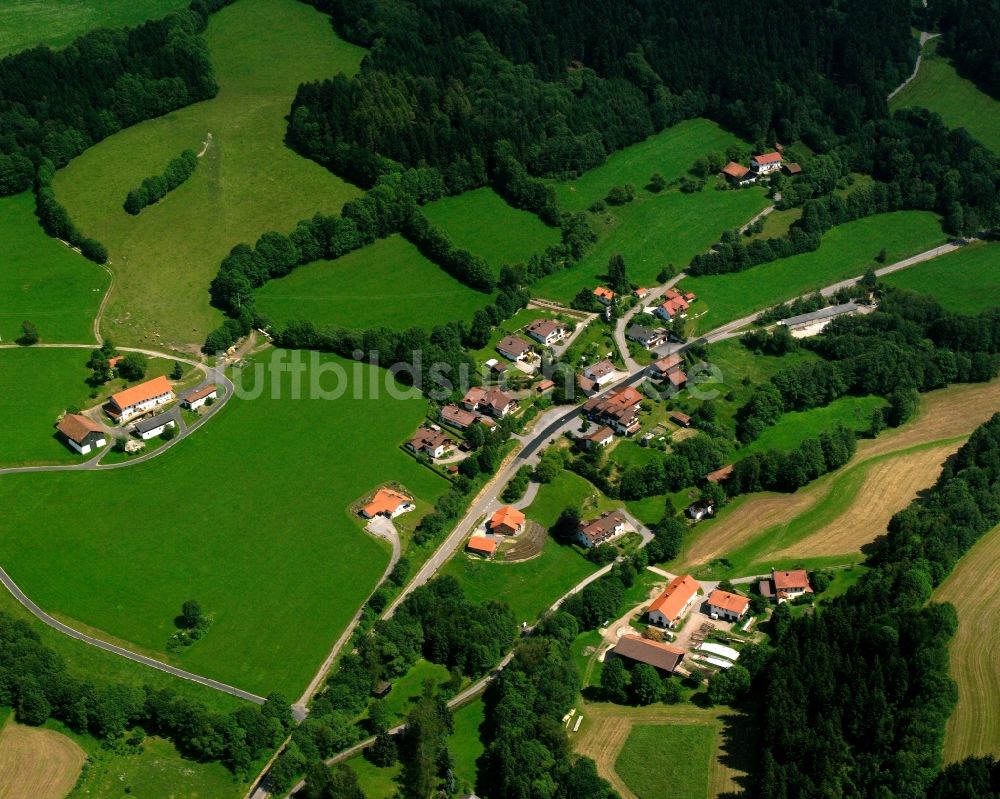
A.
pixel 670 152
pixel 652 231
pixel 847 251
pixel 662 759
pixel 250 516
pixel 957 101
pixel 966 281
pixel 247 183
pixel 43 281
pixel 386 284
pixel 481 222
pixel 25 23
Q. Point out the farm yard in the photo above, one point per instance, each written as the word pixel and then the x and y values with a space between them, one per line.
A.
pixel 165 258
pixel 974 589
pixel 847 251
pixel 481 222
pixel 26 23
pixel 386 284
pixel 955 99
pixel 241 525
pixel 42 280
pixel 37 763
pixel 966 281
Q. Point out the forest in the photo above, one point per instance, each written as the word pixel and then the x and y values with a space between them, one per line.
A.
pixel 971 33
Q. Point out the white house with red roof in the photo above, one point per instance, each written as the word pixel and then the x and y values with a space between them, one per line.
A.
pixel 766 163
pixel 727 605
pixel 137 400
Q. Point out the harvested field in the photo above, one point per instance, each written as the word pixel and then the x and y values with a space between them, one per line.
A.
pixel 974 727
pixel 36 763
pixel 889 486
pixel 526 546
pixel 606 727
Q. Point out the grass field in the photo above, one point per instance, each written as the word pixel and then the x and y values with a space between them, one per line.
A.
pixel 847 250
pixel 652 231
pixel 388 283
pixel 42 280
pixel 657 760
pixel 568 489
pixel 722 770
pixel 466 743
pixel 832 517
pixel 481 222
pixel 974 589
pixel 25 23
pixel 250 517
pixel 958 101
pixel 247 183
pixel 670 152
pixel 408 688
pixel 966 281
pixel 37 763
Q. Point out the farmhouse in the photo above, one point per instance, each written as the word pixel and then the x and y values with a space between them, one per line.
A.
pixel 389 503
pixel 153 426
pixel 481 545
pixel 455 416
pixel 664 366
pixel 790 584
pixel 765 163
pixel 196 399
pixel 727 606
pixel 620 411
pixel 489 400
pixel 812 324
pixel 647 337
pixel 601 437
pixel 676 600
pixel 81 433
pixel 546 331
pixel 605 527
pixel 601 372
pixel 604 296
pixel 431 442
pixel 136 400
pixel 507 520
pixel 515 349
pixel 673 305
pixel 738 174
pixel 664 657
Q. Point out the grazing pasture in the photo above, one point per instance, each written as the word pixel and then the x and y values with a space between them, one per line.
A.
pixel 966 281
pixel 482 223
pixel 37 763
pixel 43 281
pixel 388 283
pixel 674 759
pixel 248 182
pixel 974 589
pixel 956 100
pixel 251 517
pixel 26 23
pixel 847 251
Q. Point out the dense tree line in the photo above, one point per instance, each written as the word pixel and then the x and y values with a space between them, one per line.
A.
pixel 55 219
pixel 858 694
pixel 909 344
pixel 155 188
pixel 528 753
pixel 34 681
pixel 971 38
pixel 472 270
pixel 54 104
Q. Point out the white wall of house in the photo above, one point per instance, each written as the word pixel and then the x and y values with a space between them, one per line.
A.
pixel 157 430
pixel 141 407
pixel 86 449
pixel 199 402
pixel 722 613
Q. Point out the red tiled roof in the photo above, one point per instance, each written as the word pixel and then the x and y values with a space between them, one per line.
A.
pixel 735 170
pixel 513 345
pixel 797 579
pixel 680 418
pixel 600 434
pixel 76 427
pixel 508 516
pixel 480 543
pixel 767 158
pixel 457 416
pixel 142 392
pixel 734 603
pixel 669 363
pixel 544 327
pixel 194 396
pixel 544 385
pixel 793 168
pixel 677 378
pixel 606 293
pixel 660 656
pixel 386 500
pixel 676 595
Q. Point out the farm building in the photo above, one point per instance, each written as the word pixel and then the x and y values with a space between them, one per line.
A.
pixel 481 545
pixel 153 426
pixel 738 174
pixel 80 433
pixel 604 295
pixel 507 520
pixel 790 584
pixel 679 418
pixel 601 372
pixel 727 606
pixel 515 349
pixel 675 601
pixel 196 399
pixel 812 324
pixel 721 651
pixel 543 386
pixel 601 437
pixel 455 416
pixel 792 168
pixel 389 503
pixel 546 331
pixel 766 163
pixel 135 401
pixel 602 529
pixel 431 442
pixel 663 657
pixel 647 337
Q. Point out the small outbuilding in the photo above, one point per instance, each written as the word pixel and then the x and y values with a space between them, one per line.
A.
pixel 201 396
pixel 81 434
pixel 153 426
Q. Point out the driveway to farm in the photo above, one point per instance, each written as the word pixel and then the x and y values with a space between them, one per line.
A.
pixel 626 319
pixel 924 38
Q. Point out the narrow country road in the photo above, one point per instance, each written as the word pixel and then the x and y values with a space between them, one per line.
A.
pixel 924 38
pixel 631 365
pixel 121 651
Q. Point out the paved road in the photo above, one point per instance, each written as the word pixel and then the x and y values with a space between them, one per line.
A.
pixel 117 650
pixel 626 319
pixel 924 38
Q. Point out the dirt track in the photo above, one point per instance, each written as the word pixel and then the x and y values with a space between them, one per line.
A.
pixel 945 414
pixel 37 764
pixel 974 589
